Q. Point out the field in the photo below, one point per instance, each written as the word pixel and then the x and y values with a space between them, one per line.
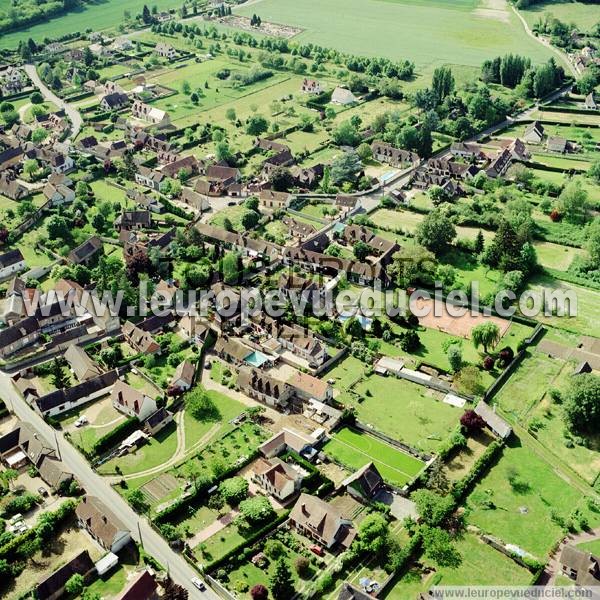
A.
pixel 522 500
pixel 424 31
pixel 99 15
pixel 586 316
pixel 355 450
pixel 583 15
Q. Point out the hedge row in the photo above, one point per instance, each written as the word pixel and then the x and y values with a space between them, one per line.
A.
pixel 116 435
pixel 237 550
pixel 570 278
pixel 572 111
pixel 482 464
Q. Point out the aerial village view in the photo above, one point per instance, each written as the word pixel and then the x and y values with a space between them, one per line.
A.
pixel 299 299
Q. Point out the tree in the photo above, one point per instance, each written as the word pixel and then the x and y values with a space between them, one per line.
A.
pixel 582 403
pixel 361 250
pixel 573 202
pixel 471 421
pixel 58 228
pixel 436 231
pixel 249 219
pixel 413 264
pixel 469 380
pixel 454 355
pixel 146 17
pixel 437 480
pixel 442 83
pixel 479 243
pixel 256 511
pixel 486 335
pixel 593 242
pixel 302 566
pixel 8 476
pixel 281 583
pixel 234 490
pixel 373 534
pixel 30 167
pixel 274 549
pixel 432 507
pixel 138 501
pixel 346 134
pixel 594 172
pixel 223 152
pixel 186 88
pixel 58 375
pixel 75 584
pixel 231 115
pixel 345 167
pixel 200 405
pixel 438 547
pixel 256 125
pixel 281 179
pixel 259 592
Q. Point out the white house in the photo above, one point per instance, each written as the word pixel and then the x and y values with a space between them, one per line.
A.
pixel 183 376
pixel 132 402
pixel 58 194
pixel 95 517
pixel 11 262
pixel 165 50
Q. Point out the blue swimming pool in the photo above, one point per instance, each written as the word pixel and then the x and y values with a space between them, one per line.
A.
pixel 256 359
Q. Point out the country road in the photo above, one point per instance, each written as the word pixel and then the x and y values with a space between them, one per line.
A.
pixel 94 484
pixel 72 113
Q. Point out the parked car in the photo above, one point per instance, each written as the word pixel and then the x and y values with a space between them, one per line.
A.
pixel 83 420
pixel 199 584
pixel 317 550
pixel 42 491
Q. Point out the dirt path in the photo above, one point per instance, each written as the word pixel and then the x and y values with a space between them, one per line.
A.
pixel 563 57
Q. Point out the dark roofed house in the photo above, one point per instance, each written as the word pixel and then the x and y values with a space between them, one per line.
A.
pixel 11 187
pixel 53 586
pixel 140 340
pixel 86 252
pixel 95 517
pixel 187 163
pixel 11 262
pixel 556 144
pixel 130 220
pixel 534 133
pixel 157 421
pixel 262 387
pixel 396 157
pixel 114 101
pixel 365 483
pixel 19 335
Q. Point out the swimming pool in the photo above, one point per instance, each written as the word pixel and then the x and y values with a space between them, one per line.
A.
pixel 256 359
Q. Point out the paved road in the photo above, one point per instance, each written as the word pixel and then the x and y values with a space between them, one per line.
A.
pixel 72 113
pixel 152 542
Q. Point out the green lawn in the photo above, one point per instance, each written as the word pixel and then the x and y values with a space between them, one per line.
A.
pixel 403 410
pixel 522 499
pixel 99 15
pixel 555 256
pixel 585 311
pixel 156 451
pixel 405 29
pixel 235 214
pixel 354 450
pixel 584 15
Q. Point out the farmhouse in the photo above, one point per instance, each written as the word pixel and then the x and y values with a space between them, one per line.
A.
pixel 262 387
pixel 343 96
pixel 183 376
pixel 114 101
pixel 288 439
pixel 150 114
pixel 19 335
pixel 58 194
pixel 500 164
pixel 11 187
pixel 81 364
pixel 186 164
pixel 466 150
pixel 102 525
pixel 165 50
pixel 557 144
pixel 580 566
pixel 534 134
pixel 306 387
pixel 321 522
pixel 11 262
pixel 132 402
pixel 395 157
pixel 150 178
pixel 365 484
pixel 60 401
pixel 130 220
pixel 274 200
pixel 310 86
pixel 140 340
pixel 277 478
pixel 85 253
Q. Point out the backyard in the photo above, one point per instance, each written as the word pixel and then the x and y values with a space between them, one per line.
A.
pixel 355 449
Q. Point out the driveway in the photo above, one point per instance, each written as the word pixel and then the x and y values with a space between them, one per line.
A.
pixel 72 113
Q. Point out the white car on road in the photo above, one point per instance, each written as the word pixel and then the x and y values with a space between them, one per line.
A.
pixel 199 584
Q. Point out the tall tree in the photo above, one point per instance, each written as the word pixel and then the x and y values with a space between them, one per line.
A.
pixel 281 583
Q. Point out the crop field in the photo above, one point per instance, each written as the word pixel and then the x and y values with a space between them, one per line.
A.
pixel 99 15
pixel 355 450
pixel 423 31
